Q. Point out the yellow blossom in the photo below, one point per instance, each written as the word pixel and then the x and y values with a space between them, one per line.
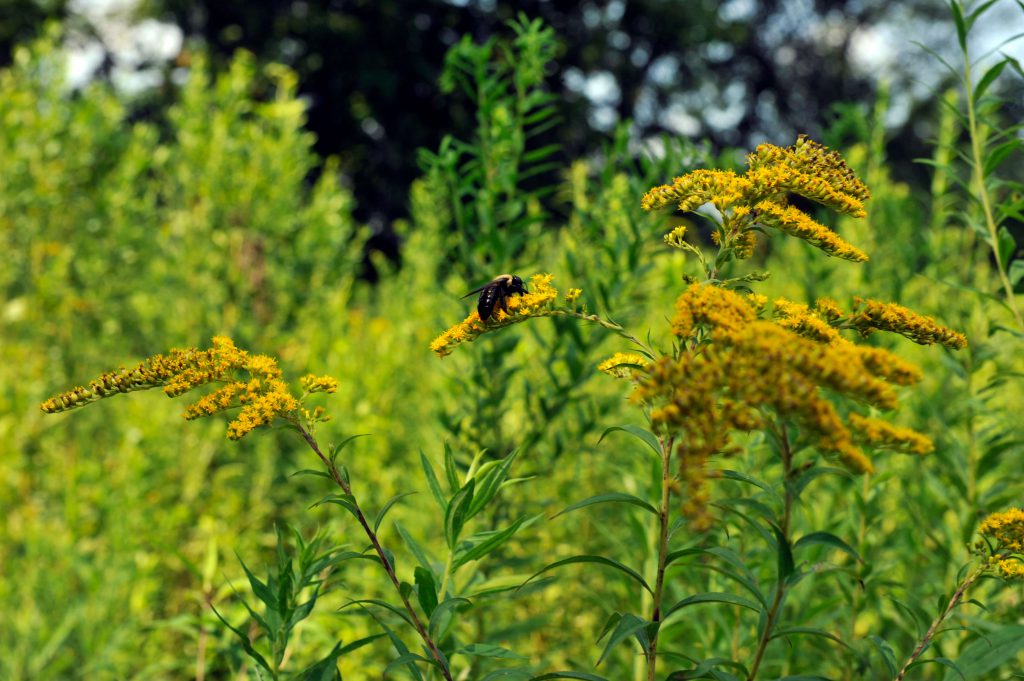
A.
pixel 879 434
pixel 539 302
pixel 1006 528
pixel 622 364
pixel 799 319
pixel 318 384
pixel 1004 534
pixel 675 238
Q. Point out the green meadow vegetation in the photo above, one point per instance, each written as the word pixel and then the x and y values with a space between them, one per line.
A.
pixel 757 416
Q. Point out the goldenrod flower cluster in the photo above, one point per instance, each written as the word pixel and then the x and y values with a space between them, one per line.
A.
pixel 539 302
pixel 758 198
pixel 250 382
pixel 318 384
pixel 623 364
pixel 751 368
pixel 1005 531
pixel 873 315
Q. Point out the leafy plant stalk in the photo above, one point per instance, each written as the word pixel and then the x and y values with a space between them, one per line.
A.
pixel 953 602
pixel 663 526
pixel 978 172
pixel 388 567
pixel 780 588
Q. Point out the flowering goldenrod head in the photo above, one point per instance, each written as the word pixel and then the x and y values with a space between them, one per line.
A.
pixel 759 199
pixel 874 315
pixel 250 383
pixel 712 307
pixel 541 301
pixel 749 371
pixel 1004 542
pixel 623 364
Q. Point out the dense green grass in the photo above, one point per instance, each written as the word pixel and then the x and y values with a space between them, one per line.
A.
pixel 123 525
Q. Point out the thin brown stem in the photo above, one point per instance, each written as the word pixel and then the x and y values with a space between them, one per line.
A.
pixel 953 602
pixel 780 587
pixel 388 567
pixel 663 525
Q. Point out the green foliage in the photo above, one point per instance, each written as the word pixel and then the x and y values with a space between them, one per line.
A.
pixel 533 539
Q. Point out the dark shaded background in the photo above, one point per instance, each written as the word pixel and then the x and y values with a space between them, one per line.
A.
pixel 740 71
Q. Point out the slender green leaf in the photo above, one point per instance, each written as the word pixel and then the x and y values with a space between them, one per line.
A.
pixel 642 434
pixel 990 652
pixel 443 610
pixel 426 590
pixel 244 639
pixel 886 652
pixel 583 676
pixel 417 550
pixel 324 670
pixel 626 627
pixel 785 555
pixel 828 539
pixel 944 661
pixel 750 480
pixel 610 497
pixel 808 631
pixel 435 486
pixel 712 597
pixel 451 471
pixel 487 650
pixel 488 484
pixel 599 560
pixel 387 506
pixel 484 543
pixel 961 27
pixel 458 508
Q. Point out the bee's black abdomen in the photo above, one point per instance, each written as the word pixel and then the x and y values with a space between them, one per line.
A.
pixel 494 295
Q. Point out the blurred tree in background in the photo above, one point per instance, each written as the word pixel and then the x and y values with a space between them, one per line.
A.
pixel 734 72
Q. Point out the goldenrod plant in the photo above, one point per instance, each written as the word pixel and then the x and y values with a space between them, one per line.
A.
pixel 736 364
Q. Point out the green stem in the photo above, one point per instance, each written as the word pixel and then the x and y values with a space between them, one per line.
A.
pixel 600 321
pixel 663 525
pixel 388 567
pixel 780 587
pixel 953 602
pixel 978 172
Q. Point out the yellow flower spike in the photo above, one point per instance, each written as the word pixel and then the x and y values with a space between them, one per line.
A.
pixel 693 190
pixel 318 384
pixel 252 382
pixel 539 302
pixel 879 434
pixel 795 222
pixel 872 315
pixel 799 319
pixel 676 239
pixel 572 295
pixel 623 364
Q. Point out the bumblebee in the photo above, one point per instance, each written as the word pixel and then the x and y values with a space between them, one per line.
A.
pixel 495 293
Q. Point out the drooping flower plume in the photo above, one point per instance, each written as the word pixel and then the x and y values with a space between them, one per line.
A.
pixel 250 383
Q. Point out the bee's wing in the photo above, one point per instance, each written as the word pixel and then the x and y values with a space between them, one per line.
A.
pixel 492 299
pixel 476 290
